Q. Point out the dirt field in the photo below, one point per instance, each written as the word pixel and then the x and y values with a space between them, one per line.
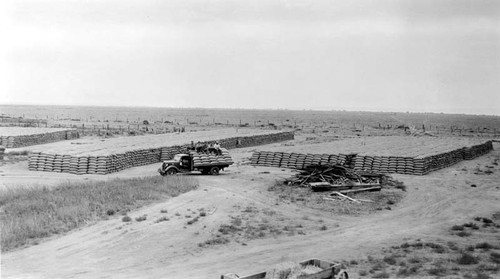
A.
pixel 239 200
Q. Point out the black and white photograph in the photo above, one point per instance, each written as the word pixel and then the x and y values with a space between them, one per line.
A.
pixel 247 139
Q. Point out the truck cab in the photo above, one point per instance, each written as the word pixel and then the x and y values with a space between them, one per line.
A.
pixel 180 163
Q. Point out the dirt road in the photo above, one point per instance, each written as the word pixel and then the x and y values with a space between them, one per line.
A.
pixel 114 249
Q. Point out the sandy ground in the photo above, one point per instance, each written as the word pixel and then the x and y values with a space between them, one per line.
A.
pixel 114 249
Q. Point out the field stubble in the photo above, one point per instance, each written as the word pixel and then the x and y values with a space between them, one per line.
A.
pixel 29 214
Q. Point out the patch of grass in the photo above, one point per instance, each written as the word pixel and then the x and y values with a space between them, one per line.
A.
pixel 437 271
pixel 163 211
pixel 35 213
pixel 323 228
pixel 485 246
pixel 390 259
pixel 452 245
pixel 437 248
pixel 382 274
pixel 377 266
pixel 414 260
pixel 472 226
pixel 478 275
pixel 405 245
pixel 464 234
pixel 236 221
pixel 400 185
pixel 250 209
pixel 162 219
pixel 363 273
pixel 484 220
pixel 194 220
pixel 457 228
pixel 467 259
pixel 214 241
pixel 141 218
pixel 407 271
pixel 126 219
pixel 495 257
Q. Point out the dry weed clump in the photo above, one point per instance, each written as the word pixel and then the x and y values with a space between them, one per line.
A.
pixel 33 213
pixel 476 257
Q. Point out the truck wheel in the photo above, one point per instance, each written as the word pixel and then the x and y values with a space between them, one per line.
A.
pixel 205 171
pixel 171 172
pixel 214 171
pixel 343 275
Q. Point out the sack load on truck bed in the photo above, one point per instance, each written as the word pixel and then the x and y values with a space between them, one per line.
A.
pixel 210 158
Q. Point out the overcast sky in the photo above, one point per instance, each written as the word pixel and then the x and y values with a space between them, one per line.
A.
pixel 396 55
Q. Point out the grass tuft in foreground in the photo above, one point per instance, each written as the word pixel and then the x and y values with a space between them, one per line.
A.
pixel 33 213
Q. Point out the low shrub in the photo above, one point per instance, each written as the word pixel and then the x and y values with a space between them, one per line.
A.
pixel 485 246
pixel 437 271
pixel 464 234
pixel 390 260
pixel 495 257
pixel 214 241
pixel 382 274
pixel 467 259
pixel 457 228
pixel 472 226
pixel 162 219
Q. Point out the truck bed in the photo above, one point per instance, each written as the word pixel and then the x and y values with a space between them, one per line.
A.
pixel 329 270
pixel 204 159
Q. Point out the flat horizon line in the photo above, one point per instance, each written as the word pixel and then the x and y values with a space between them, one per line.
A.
pixel 263 109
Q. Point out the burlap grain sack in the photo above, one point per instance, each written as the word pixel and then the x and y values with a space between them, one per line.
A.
pixel 283 270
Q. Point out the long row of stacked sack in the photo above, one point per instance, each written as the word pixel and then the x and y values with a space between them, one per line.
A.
pixel 298 160
pixel 104 164
pixel 419 165
pixel 34 139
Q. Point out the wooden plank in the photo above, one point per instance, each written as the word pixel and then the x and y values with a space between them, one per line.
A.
pixel 369 189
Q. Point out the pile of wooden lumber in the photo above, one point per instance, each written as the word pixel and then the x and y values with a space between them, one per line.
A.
pixel 324 177
pixel 23 140
pixel 207 159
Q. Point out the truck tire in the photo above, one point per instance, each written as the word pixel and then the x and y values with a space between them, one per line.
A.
pixel 214 171
pixel 171 171
pixel 343 275
pixel 205 171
